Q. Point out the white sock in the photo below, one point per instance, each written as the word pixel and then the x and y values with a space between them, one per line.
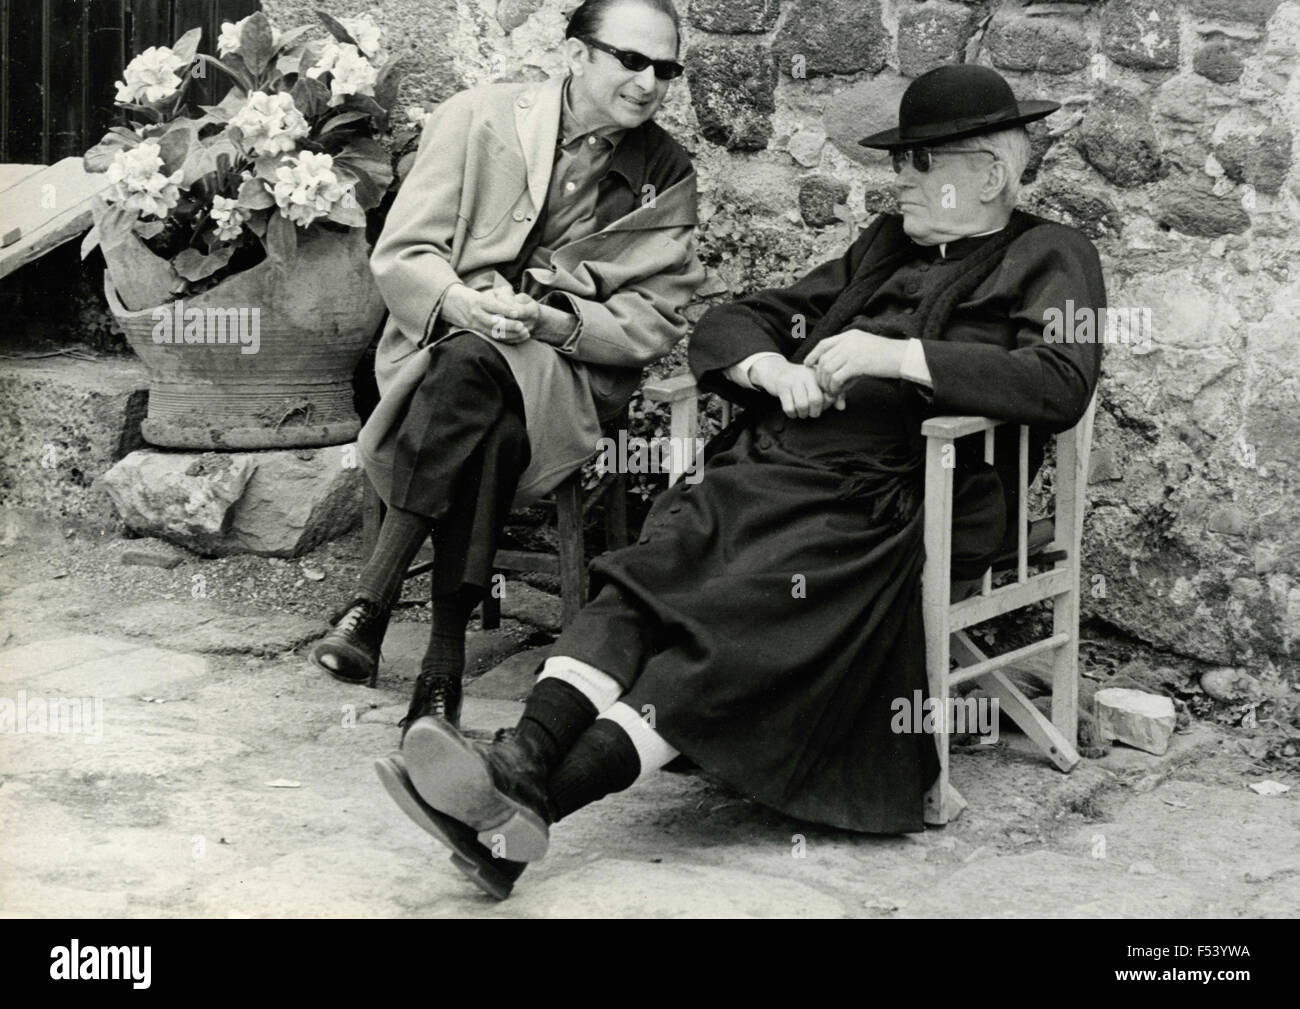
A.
pixel 651 748
pixel 601 689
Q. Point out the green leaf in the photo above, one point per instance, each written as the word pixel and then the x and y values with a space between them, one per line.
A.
pixel 91 242
pixel 367 157
pixel 341 120
pixel 257 224
pixel 348 212
pixel 265 167
pixel 149 229
pixel 281 240
pixel 188 44
pixel 404 165
pixel 229 107
pixel 387 83
pixel 115 226
pixel 311 96
pixel 174 146
pixel 255 45
pixel 232 69
pixel 289 63
pixel 193 265
pixel 99 157
pixel 290 38
pixel 253 195
pixel 336 29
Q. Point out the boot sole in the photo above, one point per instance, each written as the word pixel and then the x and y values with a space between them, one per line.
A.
pixel 453 778
pixel 352 658
pixel 466 858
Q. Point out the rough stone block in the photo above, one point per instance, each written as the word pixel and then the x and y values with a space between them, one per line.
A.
pixel 1199 212
pixel 1141 33
pixel 867 107
pixel 1136 718
pixel 932 34
pixel 1218 61
pixel 730 17
pixel 67 421
pixel 832 37
pixel 279 503
pixel 818 196
pixel 1052 45
pixel 1117 138
pixel 806 147
pixel 512 13
pixel 1253 12
pixel 732 88
pixel 1087 209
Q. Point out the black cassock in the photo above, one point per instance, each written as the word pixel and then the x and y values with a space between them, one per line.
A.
pixel 769 616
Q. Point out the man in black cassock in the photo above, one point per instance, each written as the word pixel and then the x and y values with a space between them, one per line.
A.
pixel 770 614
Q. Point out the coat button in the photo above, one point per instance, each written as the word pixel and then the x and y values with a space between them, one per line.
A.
pixel 518 215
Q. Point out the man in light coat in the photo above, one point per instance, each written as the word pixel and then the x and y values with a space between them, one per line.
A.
pixel 537 257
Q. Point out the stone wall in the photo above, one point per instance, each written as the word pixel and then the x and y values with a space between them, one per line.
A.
pixel 1173 150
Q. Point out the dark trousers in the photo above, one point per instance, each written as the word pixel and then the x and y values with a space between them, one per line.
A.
pixel 611 634
pixel 460 451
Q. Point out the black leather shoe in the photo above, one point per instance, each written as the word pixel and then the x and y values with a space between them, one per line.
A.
pixel 434 695
pixel 350 650
pixel 499 789
pixel 494 876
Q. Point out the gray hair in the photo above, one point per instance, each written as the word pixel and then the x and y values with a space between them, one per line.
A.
pixel 1012 148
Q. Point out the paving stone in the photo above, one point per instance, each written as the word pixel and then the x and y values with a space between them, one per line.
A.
pixel 200 626
pixel 513 679
pixel 530 605
pixel 1139 719
pixel 125 672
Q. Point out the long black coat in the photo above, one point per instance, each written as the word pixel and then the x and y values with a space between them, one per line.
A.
pixel 785 585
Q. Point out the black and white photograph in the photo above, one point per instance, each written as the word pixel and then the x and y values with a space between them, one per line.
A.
pixel 651 459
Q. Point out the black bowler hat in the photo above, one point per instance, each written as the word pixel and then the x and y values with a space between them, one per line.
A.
pixel 953 101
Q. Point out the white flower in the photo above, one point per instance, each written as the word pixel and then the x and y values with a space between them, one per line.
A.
pixel 369 36
pixel 137 184
pixel 417 114
pixel 232 33
pixel 229 217
pixel 307 188
pixel 270 124
pixel 151 76
pixel 350 72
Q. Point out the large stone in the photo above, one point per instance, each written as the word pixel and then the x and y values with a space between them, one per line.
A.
pixel 1053 45
pixel 1141 33
pixel 806 147
pixel 1261 161
pixel 732 88
pixel 1253 12
pixel 1087 209
pixel 734 16
pixel 279 503
pixel 67 421
pixel 1197 211
pixel 932 34
pixel 512 13
pixel 1136 718
pixel 1117 138
pixel 818 197
pixel 821 37
pixel 1218 61
pixel 867 107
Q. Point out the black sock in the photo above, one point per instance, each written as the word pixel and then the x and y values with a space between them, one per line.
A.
pixel 555 715
pixel 445 655
pixel 400 538
pixel 603 760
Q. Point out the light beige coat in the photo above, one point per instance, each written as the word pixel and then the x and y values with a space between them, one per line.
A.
pixel 465 210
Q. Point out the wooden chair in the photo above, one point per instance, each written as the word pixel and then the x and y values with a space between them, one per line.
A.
pixel 1051 545
pixel 569 560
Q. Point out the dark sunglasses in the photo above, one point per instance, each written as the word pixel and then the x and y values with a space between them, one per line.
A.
pixel 665 70
pixel 922 158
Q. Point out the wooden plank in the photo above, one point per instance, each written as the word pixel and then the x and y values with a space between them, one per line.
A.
pixel 673 389
pixel 935 599
pixel 985 666
pixel 4 79
pixel 956 427
pixel 151 25
pixel 573 563
pixel 106 58
pixel 11 175
pixel 48 217
pixel 1038 587
pixel 522 560
pixel 23 139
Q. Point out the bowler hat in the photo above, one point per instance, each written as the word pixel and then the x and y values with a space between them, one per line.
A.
pixel 953 101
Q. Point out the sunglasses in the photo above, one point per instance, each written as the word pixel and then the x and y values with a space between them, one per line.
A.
pixel 922 158
pixel 665 70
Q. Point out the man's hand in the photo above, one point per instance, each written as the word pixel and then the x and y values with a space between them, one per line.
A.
pixel 501 313
pixel 793 384
pixel 840 359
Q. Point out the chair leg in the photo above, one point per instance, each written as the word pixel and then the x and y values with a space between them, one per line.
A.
pixel 573 576
pixel 491 608
pixel 616 537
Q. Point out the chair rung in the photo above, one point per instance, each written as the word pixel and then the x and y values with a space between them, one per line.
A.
pixel 974 672
pixel 523 560
pixel 1035 589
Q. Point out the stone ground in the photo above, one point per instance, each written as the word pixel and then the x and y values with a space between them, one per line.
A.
pixel 231 779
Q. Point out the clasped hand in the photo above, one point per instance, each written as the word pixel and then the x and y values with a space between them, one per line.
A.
pixel 501 313
pixel 807 389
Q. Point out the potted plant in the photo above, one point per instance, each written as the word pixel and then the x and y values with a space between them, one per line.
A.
pixel 235 234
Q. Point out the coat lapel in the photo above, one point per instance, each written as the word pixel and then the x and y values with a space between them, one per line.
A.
pixel 537 121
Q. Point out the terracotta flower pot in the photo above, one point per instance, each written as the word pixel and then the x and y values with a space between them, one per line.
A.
pixel 265 358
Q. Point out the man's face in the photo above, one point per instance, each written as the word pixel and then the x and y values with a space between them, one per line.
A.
pixel 953 198
pixel 603 91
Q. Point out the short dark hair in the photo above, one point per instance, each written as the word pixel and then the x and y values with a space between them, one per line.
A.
pixel 586 21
